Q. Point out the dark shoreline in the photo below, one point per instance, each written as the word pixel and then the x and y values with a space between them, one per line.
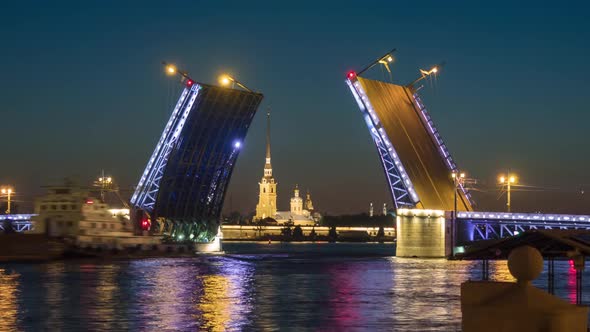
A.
pixel 19 248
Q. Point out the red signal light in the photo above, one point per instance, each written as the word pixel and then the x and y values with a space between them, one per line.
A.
pixel 145 224
pixel 351 75
pixel 189 83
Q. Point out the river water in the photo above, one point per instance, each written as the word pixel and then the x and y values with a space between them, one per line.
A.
pixel 254 287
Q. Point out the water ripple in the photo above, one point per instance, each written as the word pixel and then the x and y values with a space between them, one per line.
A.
pixel 298 290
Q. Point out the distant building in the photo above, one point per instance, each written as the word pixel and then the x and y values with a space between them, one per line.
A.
pixel 296 202
pixel 267 197
pixel 308 202
pixel 299 214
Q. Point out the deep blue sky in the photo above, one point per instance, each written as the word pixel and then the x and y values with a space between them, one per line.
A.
pixel 82 89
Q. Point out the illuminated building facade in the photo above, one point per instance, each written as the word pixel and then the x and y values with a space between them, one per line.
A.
pixel 296 202
pixel 183 186
pixel 267 197
pixel 299 214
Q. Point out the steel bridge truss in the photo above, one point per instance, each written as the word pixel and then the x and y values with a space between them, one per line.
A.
pixel 490 225
pixel 183 186
pixel 146 192
pixel 178 228
pixel 400 185
pixel 18 222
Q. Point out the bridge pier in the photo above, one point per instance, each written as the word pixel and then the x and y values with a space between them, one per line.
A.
pixel 423 233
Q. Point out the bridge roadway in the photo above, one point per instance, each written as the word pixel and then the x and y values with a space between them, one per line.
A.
pixel 417 143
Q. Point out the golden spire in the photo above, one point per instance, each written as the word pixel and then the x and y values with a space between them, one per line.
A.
pixel 267 165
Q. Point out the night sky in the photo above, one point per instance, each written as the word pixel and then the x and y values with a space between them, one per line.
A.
pixel 82 89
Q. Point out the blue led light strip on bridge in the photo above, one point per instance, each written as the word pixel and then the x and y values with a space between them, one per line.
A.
pixel 146 192
pixel 400 185
pixel 537 217
pixel 496 225
pixel 20 222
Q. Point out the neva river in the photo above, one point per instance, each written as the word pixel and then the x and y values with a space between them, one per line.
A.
pixel 254 287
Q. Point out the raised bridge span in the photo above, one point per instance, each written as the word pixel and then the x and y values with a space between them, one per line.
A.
pixel 182 189
pixel 418 167
pixel 415 159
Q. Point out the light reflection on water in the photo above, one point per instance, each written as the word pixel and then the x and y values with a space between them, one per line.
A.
pixel 270 291
pixel 8 299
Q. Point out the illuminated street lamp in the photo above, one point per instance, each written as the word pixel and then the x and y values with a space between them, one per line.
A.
pixel 385 60
pixel 507 180
pixel 458 180
pixel 427 73
pixel 8 191
pixel 225 80
pixel 173 70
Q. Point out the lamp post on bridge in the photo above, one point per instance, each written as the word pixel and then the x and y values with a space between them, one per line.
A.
pixel 458 180
pixel 8 191
pixel 172 70
pixel 225 80
pixel 385 60
pixel 507 180
pixel 426 73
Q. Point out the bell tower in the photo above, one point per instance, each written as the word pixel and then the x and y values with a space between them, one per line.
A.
pixel 296 202
pixel 308 202
pixel 267 197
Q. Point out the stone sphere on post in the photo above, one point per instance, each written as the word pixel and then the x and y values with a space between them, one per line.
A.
pixel 525 264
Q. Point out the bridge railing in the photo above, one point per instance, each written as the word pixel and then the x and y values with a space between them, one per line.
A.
pixel 494 225
pixel 19 222
pixel 566 218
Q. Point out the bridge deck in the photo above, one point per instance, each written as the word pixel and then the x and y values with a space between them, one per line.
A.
pixel 420 155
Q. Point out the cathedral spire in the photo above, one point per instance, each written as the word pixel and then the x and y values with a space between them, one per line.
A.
pixel 267 165
pixel 267 199
pixel 268 136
